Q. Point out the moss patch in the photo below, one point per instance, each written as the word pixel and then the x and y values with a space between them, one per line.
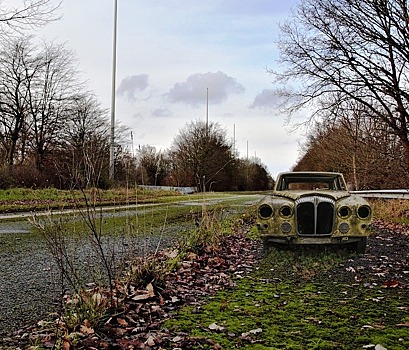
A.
pixel 290 303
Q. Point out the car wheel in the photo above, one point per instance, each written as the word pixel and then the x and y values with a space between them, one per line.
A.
pixel 360 246
pixel 268 247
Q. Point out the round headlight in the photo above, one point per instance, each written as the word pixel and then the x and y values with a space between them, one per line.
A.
pixel 285 211
pixel 344 227
pixel 364 211
pixel 286 227
pixel 265 211
pixel 344 212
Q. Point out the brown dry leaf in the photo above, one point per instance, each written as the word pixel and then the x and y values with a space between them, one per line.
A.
pixel 122 322
pixel 66 345
pixel 150 290
pixel 406 324
pixel 390 284
pixel 97 299
pixel 150 341
pixel 87 323
pixel 86 330
pixel 144 295
pixel 191 256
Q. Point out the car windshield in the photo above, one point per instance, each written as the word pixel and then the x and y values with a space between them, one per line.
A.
pixel 332 182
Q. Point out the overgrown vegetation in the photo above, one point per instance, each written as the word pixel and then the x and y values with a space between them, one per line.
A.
pixel 395 210
pixel 32 200
pixel 100 273
pixel 292 303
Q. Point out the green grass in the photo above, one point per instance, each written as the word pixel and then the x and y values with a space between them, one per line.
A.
pixel 25 199
pixel 299 310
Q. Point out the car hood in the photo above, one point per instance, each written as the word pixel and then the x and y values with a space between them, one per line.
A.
pixel 294 195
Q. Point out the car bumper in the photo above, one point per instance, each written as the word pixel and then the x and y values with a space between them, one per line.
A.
pixel 289 240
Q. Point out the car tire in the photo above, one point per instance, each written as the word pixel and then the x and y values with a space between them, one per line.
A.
pixel 268 247
pixel 360 246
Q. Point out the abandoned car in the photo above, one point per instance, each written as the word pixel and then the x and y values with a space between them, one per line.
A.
pixel 309 208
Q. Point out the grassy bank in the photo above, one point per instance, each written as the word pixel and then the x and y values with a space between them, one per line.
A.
pixel 25 199
pixel 391 210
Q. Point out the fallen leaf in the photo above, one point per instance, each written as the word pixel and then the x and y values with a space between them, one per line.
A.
pixel 177 339
pixel 139 295
pixel 122 322
pixel 215 327
pixel 97 299
pixel 406 324
pixel 66 345
pixel 256 331
pixel 86 330
pixel 150 341
pixel 390 284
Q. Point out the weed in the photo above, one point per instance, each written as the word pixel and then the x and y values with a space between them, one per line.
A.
pixel 144 271
pixel 395 210
pixel 207 234
pixel 89 308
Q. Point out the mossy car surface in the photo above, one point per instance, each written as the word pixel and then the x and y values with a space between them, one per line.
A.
pixel 313 208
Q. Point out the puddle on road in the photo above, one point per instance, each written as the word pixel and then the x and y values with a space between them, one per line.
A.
pixel 10 227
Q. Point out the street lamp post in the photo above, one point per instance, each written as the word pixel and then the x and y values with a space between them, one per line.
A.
pixel 112 137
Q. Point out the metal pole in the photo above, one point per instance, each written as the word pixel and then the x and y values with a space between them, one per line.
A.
pixel 207 109
pixel 234 140
pixel 112 140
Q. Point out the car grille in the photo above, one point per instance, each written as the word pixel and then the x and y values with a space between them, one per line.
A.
pixel 315 215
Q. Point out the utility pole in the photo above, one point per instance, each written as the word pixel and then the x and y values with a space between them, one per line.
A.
pixel 234 140
pixel 207 110
pixel 112 138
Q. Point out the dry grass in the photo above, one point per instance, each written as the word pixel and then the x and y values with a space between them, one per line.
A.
pixel 394 210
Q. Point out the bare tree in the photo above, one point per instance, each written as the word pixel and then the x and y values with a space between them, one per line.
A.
pixel 30 13
pixel 50 100
pixel 369 157
pixel 354 49
pixel 17 70
pixel 153 166
pixel 202 157
pixel 86 141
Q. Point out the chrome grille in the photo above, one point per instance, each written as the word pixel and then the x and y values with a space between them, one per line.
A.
pixel 315 215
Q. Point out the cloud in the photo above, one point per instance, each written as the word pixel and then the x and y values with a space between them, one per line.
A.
pixel 266 99
pixel 193 91
pixel 161 112
pixel 131 85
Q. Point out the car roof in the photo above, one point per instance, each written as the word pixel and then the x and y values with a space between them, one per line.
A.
pixel 318 174
pixel 285 178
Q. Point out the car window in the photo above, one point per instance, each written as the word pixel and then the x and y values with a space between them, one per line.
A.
pixel 309 186
pixel 320 182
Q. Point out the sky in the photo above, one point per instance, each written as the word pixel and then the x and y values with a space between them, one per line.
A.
pixel 171 54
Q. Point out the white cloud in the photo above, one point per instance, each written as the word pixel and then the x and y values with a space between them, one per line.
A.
pixel 131 85
pixel 193 91
pixel 161 112
pixel 266 99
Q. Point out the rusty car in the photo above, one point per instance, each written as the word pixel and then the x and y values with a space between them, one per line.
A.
pixel 313 208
